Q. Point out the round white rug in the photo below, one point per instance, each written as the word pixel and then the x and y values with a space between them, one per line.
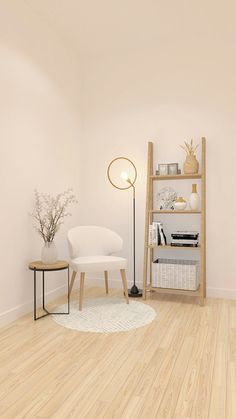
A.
pixel 106 315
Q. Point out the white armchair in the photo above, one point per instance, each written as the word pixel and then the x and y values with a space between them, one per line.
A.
pixel 90 249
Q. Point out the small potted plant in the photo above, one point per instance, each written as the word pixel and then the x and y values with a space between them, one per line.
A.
pixel 48 215
pixel 191 165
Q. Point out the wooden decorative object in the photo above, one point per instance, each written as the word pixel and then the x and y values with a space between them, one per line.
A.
pixel 191 164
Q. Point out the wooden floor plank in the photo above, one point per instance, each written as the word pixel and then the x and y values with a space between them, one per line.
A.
pixel 205 373
pixel 219 382
pixel 188 386
pixel 181 366
pixel 177 373
pixel 152 385
pixel 116 392
pixel 231 363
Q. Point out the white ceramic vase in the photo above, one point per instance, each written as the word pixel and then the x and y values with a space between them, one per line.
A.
pixel 49 253
pixel 194 200
pixel 180 204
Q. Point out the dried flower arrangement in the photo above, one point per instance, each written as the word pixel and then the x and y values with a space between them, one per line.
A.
pixel 49 212
pixel 191 165
pixel 189 148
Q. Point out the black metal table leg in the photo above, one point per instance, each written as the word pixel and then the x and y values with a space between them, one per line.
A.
pixel 68 289
pixel 35 295
pixel 43 290
pixel 44 308
pixel 39 266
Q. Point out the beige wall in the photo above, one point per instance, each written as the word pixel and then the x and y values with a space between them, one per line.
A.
pixel 39 136
pixel 173 92
pixel 169 83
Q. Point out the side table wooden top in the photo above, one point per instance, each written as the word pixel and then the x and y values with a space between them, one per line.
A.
pixel 38 265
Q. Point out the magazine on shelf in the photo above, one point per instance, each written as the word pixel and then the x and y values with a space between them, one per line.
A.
pixel 185 235
pixel 184 245
pixel 183 241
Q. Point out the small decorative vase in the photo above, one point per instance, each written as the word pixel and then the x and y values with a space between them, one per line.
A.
pixel 194 200
pixel 49 253
pixel 191 165
pixel 180 204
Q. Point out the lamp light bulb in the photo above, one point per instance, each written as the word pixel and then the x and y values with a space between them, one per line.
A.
pixel 124 175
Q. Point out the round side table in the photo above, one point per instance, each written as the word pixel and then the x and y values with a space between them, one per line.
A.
pixel 39 266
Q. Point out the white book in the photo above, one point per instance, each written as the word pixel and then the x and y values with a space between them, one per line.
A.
pixel 155 233
pixel 150 235
pixel 156 227
pixel 163 243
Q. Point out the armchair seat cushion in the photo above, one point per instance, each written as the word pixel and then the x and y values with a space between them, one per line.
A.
pixel 97 263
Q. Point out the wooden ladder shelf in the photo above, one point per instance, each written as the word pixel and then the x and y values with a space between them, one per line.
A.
pixel 149 249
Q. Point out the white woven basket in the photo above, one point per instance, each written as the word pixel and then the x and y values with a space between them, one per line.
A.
pixel 176 274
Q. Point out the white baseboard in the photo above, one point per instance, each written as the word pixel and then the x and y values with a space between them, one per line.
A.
pixel 14 313
pixel 20 310
pixel 229 294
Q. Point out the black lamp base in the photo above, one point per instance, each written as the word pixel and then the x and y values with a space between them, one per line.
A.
pixel 134 292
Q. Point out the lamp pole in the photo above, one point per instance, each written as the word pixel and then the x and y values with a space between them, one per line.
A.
pixel 134 291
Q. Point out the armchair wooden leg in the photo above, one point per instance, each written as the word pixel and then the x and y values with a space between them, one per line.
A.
pixel 106 281
pixel 81 293
pixel 123 276
pixel 72 281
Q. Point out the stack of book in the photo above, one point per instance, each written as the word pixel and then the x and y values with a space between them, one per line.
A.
pixel 156 234
pixel 184 238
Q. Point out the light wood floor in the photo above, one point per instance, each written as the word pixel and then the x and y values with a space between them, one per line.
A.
pixel 182 365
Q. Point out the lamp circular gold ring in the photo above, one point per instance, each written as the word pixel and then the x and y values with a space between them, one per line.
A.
pixel 135 173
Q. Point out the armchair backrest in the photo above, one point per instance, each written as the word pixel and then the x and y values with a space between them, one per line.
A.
pixel 93 241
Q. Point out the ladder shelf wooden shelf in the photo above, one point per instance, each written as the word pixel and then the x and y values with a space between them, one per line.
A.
pixel 168 246
pixel 175 177
pixel 174 212
pixel 175 291
pixel 149 249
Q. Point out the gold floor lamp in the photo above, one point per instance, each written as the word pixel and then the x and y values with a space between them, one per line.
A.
pixel 122 174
